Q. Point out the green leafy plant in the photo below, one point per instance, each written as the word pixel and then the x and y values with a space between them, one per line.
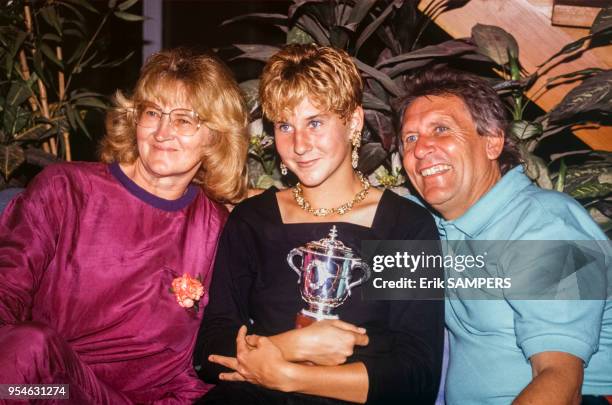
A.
pixel 395 26
pixel 584 174
pixel 385 38
pixel 44 46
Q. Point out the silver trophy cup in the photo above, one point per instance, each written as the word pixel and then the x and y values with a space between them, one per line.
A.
pixel 326 275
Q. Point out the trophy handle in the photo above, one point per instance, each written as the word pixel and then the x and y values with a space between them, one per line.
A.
pixel 366 274
pixel 290 256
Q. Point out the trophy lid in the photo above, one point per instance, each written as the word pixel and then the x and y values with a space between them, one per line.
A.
pixel 330 246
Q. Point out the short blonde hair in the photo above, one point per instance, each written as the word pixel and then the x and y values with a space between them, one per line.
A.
pixel 208 86
pixel 327 76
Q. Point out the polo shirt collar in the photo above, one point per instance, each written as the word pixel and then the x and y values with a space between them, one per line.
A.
pixel 489 205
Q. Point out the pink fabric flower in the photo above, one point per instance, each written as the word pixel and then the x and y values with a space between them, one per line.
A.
pixel 187 291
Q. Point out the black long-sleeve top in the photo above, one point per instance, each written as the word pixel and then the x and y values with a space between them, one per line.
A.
pixel 253 285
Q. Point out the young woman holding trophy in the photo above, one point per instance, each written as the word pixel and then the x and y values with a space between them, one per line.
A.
pixel 250 343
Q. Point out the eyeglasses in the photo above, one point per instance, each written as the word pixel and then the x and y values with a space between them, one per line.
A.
pixel 183 122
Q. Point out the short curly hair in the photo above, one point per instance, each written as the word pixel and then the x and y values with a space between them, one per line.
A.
pixel 327 76
pixel 486 108
pixel 205 83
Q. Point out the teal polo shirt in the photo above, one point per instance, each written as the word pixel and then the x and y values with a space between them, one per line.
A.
pixel 491 341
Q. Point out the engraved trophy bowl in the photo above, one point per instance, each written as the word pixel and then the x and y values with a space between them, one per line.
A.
pixel 326 275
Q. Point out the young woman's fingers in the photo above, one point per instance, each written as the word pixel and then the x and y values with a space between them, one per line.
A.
pixel 229 362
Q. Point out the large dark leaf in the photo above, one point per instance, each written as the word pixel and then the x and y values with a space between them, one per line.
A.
pixel 272 18
pixel 387 35
pixel 50 54
pixel 11 157
pixel 92 102
pixel 112 63
pixel 125 16
pixel 9 118
pixel 49 14
pixel 36 133
pixel 38 157
pixel 382 125
pixel 567 49
pixel 605 207
pixel 338 37
pixel 594 94
pixel 382 78
pixel 257 52
pixel 373 26
pixel 51 37
pixel 405 67
pixel 448 48
pixel 536 169
pixel 598 164
pixel 14 47
pixel 313 28
pixel 525 130
pixel 81 123
pixel 76 94
pixel 298 36
pixel 386 53
pixel 18 93
pixel 74 33
pixel 80 48
pixel 250 89
pixel 76 13
pixel 71 115
pixel 507 85
pixel 83 3
pixel 560 184
pixel 577 74
pixel 371 155
pixel 453 4
pixel 358 13
pixel 372 102
pixel 20 36
pixel 374 87
pixel 299 3
pixel 592 190
pixel 282 28
pixel 341 13
pixel 419 60
pixel 406 24
pixel 495 43
pixel 127 4
pixel 603 21
pixel 85 63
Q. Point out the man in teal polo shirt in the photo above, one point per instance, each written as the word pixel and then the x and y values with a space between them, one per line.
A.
pixel 468 173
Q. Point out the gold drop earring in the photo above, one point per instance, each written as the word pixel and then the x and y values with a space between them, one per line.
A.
pixel 356 142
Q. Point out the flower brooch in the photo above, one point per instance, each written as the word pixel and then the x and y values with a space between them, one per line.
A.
pixel 188 291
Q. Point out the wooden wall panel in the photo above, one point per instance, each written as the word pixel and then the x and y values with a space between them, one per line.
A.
pixel 529 21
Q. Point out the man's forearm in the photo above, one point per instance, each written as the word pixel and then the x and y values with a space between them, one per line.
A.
pixel 557 380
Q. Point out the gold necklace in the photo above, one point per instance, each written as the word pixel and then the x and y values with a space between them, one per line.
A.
pixel 341 210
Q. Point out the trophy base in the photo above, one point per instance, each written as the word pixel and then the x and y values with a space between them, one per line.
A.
pixel 306 317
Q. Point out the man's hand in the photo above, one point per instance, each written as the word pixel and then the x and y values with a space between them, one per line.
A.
pixel 324 343
pixel 557 379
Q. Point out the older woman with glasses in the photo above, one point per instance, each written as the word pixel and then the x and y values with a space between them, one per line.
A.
pixel 104 267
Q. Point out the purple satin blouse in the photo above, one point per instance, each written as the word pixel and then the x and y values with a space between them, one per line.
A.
pixel 92 255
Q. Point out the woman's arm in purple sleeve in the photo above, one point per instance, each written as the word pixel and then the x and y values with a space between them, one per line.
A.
pixel 29 229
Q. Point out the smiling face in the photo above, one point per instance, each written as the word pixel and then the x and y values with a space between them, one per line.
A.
pixel 314 144
pixel 448 162
pixel 163 151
